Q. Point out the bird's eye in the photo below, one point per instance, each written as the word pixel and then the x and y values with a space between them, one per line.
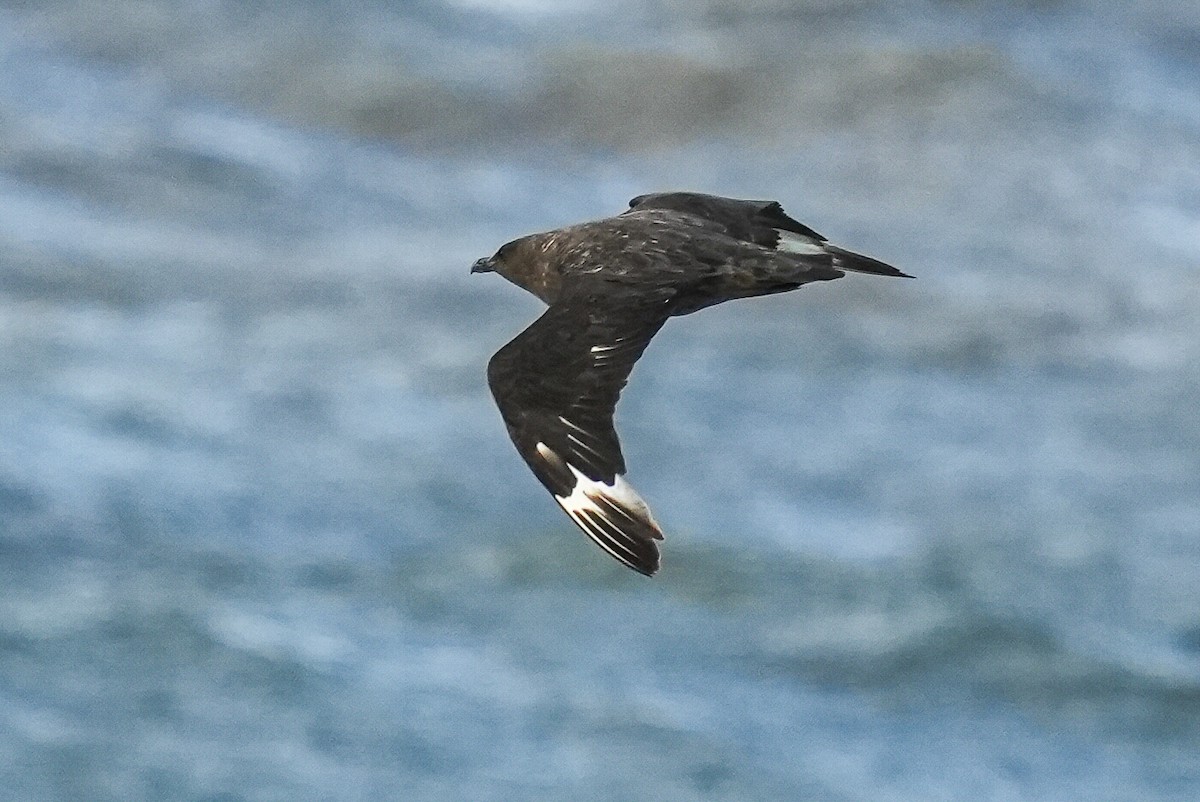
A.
pixel 506 249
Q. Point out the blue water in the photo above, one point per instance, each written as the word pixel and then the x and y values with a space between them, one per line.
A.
pixel 263 537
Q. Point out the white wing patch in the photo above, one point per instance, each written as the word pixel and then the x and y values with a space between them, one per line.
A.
pixel 792 242
pixel 603 354
pixel 614 516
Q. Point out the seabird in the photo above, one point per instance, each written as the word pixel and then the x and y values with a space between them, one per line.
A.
pixel 610 285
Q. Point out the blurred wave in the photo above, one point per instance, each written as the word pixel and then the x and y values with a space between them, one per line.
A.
pixel 631 76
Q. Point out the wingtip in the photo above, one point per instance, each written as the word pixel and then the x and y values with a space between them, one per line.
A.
pixel 648 566
pixel 616 518
pixel 646 570
pixel 858 263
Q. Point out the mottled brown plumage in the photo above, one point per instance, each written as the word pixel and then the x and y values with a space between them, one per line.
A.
pixel 611 284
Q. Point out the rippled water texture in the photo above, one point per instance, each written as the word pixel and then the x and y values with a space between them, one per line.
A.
pixel 262 535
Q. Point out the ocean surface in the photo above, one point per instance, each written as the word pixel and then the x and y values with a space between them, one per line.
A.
pixel 263 536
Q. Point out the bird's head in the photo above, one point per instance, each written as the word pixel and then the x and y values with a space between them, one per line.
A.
pixel 529 262
pixel 499 262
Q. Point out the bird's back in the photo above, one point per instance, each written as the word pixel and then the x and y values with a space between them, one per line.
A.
pixel 702 261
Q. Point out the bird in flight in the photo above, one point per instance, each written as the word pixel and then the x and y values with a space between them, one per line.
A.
pixel 610 285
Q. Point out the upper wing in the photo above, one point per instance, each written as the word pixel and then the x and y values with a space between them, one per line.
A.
pixel 557 384
pixel 760 222
pixel 765 224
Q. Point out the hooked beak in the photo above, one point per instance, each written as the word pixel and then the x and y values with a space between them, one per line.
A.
pixel 483 266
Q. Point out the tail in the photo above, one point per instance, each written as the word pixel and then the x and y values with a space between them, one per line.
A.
pixel 857 263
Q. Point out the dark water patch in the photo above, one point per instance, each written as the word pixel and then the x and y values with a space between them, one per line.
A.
pixel 70 173
pixel 340 576
pixel 17 499
pixel 155 634
pixel 211 178
pixel 141 424
pixel 220 573
pixel 82 280
pixel 162 182
pixel 137 285
pixel 1189 638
